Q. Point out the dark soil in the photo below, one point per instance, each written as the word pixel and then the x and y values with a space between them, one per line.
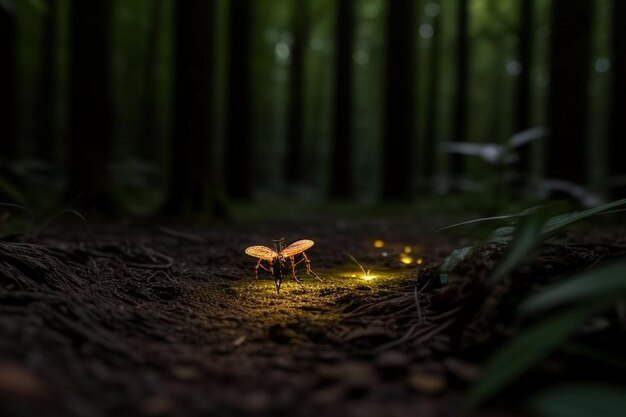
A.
pixel 161 321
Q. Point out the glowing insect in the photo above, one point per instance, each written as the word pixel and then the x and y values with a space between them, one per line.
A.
pixel 281 259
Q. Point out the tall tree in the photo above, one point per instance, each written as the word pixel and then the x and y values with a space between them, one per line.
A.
pixel 429 149
pixel 462 68
pixel 341 161
pixel 192 187
pixel 399 119
pixel 238 179
pixel 523 87
pixel 293 166
pixel 618 107
pixel 568 102
pixel 46 149
pixel 147 145
pixel 8 141
pixel 91 108
pixel 524 56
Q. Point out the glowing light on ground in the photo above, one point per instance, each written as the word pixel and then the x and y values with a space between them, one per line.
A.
pixel 367 275
pixel 405 259
pixel 379 243
pixel 419 261
pixel 408 249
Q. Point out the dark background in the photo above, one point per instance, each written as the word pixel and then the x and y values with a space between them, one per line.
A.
pixel 187 107
pixel 146 145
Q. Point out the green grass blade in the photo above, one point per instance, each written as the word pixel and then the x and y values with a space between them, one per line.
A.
pixel 580 400
pixel 481 220
pixel 610 279
pixel 527 349
pixel 562 221
pixel 353 259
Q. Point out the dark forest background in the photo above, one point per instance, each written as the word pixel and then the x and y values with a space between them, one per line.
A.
pixel 182 107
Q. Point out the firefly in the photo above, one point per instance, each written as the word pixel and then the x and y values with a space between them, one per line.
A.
pixel 281 260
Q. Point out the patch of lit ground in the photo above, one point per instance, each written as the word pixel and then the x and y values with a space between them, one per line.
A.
pixel 321 303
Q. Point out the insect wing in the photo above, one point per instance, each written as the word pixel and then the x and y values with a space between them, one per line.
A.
pixel 297 247
pixel 262 252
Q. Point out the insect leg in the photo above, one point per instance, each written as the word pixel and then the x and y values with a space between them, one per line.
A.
pixel 259 264
pixel 308 266
pixel 293 270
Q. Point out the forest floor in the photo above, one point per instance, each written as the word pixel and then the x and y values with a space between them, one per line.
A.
pixel 132 320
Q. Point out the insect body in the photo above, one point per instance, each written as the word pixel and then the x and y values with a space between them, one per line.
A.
pixel 282 260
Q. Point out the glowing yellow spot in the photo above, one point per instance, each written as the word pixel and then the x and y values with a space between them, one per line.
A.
pixel 419 261
pixel 406 259
pixel 407 249
pixel 379 243
pixel 353 276
pixel 368 277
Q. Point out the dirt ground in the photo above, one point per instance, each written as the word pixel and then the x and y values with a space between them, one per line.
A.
pixel 131 320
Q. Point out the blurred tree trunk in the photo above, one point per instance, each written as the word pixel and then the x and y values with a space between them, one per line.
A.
pixel 192 189
pixel 91 107
pixel 341 160
pixel 46 135
pixel 147 143
pixel 618 107
pixel 568 102
pixel 8 140
pixel 294 163
pixel 238 164
pixel 462 68
pixel 523 87
pixel 429 150
pixel 400 112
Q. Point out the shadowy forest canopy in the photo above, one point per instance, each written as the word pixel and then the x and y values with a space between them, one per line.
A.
pixel 182 106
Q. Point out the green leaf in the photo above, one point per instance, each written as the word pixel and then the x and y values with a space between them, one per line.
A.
pixel 527 349
pixel 452 261
pixel 610 279
pixel 502 234
pixel 580 400
pixel 526 238
pixel 562 221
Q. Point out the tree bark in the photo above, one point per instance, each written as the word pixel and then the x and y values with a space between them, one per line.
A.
pixel 400 110
pixel 523 87
pixel 91 107
pixel 294 163
pixel 617 144
pixel 568 102
pixel 192 187
pixel 429 150
pixel 46 136
pixel 238 178
pixel 459 118
pixel 341 159
pixel 8 140
pixel 524 53
pixel 147 142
